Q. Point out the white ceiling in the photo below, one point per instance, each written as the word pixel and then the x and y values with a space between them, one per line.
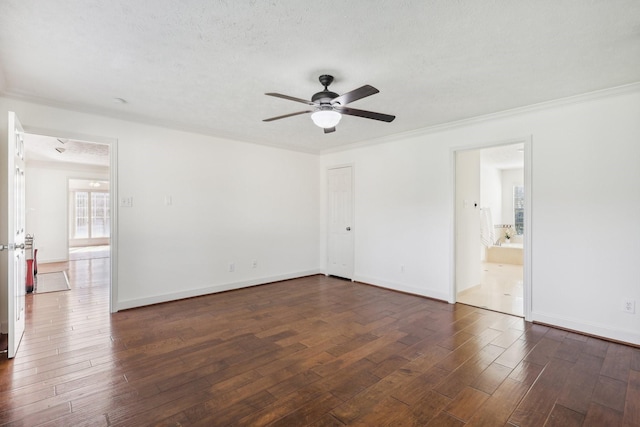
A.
pixel 63 150
pixel 504 156
pixel 205 65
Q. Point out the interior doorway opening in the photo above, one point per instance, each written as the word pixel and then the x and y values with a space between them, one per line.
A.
pixel 37 198
pixel 490 230
pixel 69 207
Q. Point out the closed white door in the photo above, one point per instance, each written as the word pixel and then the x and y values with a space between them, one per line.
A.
pixel 15 249
pixel 340 245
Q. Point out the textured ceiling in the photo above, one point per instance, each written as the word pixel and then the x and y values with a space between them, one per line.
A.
pixel 205 65
pixel 504 157
pixel 62 150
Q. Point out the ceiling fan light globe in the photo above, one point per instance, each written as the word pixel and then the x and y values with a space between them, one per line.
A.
pixel 326 118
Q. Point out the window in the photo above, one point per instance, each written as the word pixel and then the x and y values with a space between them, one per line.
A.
pixel 518 208
pixel 100 215
pixel 91 215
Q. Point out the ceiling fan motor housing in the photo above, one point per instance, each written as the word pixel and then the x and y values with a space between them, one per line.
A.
pixel 326 95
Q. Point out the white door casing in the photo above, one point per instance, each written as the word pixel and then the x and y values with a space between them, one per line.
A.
pixel 340 241
pixel 527 253
pixel 16 224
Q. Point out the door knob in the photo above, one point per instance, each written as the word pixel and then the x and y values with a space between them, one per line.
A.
pixel 348 228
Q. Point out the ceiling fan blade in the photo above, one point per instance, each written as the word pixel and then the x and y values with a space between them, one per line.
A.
pixel 287 115
pixel 290 98
pixel 366 114
pixel 354 95
pixel 329 130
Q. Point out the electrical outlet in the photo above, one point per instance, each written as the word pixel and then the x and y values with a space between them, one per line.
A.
pixel 254 263
pixel 126 202
pixel 629 306
pixel 232 267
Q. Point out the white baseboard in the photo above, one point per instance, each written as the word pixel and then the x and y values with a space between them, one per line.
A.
pixel 429 293
pixel 157 299
pixel 631 337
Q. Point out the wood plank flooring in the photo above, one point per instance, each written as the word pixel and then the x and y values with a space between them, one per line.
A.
pixel 314 351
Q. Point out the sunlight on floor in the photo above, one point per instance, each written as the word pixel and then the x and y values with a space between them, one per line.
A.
pixel 89 252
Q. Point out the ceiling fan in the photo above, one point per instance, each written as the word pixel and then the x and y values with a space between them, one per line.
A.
pixel 328 106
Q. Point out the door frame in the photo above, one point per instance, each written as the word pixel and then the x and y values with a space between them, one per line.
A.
pixel 113 198
pixel 528 220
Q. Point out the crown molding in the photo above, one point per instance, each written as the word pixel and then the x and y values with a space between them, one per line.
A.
pixel 143 120
pixel 570 100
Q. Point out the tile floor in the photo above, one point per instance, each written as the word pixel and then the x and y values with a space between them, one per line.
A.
pixel 500 289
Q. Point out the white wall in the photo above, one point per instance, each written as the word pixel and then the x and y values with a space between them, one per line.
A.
pixel 585 177
pixel 491 189
pixel 232 202
pixel 403 210
pixel 47 195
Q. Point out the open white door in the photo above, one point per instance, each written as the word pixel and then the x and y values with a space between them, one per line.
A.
pixel 15 247
pixel 340 244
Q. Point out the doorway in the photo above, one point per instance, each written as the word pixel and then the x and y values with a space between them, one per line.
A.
pixel 19 158
pixel 70 203
pixel 491 226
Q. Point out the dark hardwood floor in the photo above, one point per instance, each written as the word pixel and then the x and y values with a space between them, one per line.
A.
pixel 314 351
